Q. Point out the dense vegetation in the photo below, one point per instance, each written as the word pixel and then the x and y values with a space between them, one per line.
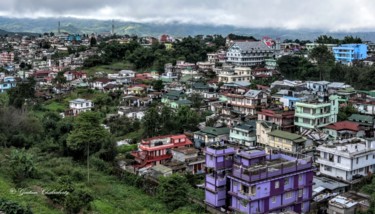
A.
pixel 324 39
pixel 293 67
pixel 42 152
pixel 189 49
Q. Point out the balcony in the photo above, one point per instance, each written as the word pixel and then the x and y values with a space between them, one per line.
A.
pixel 220 150
pixel 266 171
pixel 220 165
pixel 217 181
pixel 333 164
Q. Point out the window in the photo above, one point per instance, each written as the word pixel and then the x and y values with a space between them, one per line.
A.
pixel 277 184
pixel 286 181
pixel 300 177
pixel 302 205
pixel 253 190
pixel 325 155
pixel 300 193
pixel 244 189
pixel 338 159
pixel 288 195
pixel 357 159
pixel 327 168
pixel 211 157
pixel 235 183
pixel 366 157
pixel 273 199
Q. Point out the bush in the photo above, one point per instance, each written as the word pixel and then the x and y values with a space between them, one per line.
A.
pixel 77 200
pixel 12 207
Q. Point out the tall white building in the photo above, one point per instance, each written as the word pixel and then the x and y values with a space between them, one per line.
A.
pixel 347 160
pixel 248 53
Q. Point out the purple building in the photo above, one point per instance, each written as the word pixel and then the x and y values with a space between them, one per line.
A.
pixel 255 182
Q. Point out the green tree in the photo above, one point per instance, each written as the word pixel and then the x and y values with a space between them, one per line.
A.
pixel 196 99
pixel 186 119
pixel 151 122
pixel 345 112
pixel 93 42
pixel 172 190
pixel 158 85
pixel 88 135
pixel 324 59
pixel 324 39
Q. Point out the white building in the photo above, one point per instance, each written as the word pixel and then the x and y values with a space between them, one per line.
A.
pixel 347 160
pixel 248 53
pixel 238 74
pixel 80 105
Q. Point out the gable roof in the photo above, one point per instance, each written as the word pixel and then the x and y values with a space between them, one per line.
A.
pixel 214 131
pixel 287 135
pixel 344 125
pixel 362 119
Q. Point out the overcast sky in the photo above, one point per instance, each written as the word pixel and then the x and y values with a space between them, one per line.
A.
pixel 330 15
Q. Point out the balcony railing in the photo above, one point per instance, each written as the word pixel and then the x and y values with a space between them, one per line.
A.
pixel 217 181
pixel 265 172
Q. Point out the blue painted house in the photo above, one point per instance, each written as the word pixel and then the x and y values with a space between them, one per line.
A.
pixel 7 83
pixel 347 53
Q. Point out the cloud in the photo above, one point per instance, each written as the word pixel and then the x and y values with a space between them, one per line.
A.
pixel 330 15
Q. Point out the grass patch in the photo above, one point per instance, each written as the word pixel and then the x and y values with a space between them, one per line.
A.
pixel 55 106
pixel 110 194
pixel 110 69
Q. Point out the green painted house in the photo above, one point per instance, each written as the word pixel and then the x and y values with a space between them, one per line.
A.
pixel 210 135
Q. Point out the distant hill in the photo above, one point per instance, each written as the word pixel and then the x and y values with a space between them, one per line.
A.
pixel 4 32
pixel 72 25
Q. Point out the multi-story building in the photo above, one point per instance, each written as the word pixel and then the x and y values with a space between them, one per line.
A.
pixel 309 115
pixel 253 181
pixel 248 102
pixel 248 53
pixel 347 160
pixel 7 83
pixel 238 74
pixel 344 130
pixel 244 133
pixel 347 53
pixel 285 141
pixel 79 105
pixel 156 150
pixel 310 46
pixel 283 119
pixel 210 135
pixel 6 57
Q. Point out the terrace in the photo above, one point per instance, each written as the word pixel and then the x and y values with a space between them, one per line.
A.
pixel 274 165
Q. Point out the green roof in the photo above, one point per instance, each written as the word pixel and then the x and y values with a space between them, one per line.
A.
pixel 287 135
pixel 362 118
pixel 214 131
pixel 184 102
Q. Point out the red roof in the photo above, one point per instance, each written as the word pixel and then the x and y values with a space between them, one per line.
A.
pixel 344 125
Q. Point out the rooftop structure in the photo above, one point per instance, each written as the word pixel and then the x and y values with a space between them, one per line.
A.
pixel 153 151
pixel 258 182
pixel 347 53
pixel 347 160
pixel 248 53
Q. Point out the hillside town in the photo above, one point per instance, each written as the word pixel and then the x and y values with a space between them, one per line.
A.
pixel 259 135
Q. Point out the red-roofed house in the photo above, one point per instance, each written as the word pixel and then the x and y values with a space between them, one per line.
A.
pixel 156 150
pixel 344 130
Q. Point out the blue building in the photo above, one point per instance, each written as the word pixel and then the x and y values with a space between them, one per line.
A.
pixel 347 53
pixel 7 83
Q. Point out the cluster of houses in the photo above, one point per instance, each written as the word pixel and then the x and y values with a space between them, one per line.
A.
pixel 263 149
